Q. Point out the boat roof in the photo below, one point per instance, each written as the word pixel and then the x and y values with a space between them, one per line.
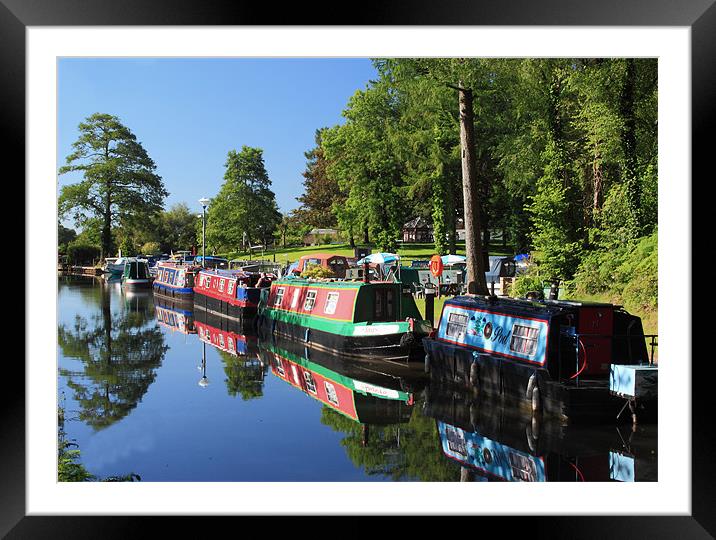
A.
pixel 322 256
pixel 228 273
pixel 520 306
pixel 329 281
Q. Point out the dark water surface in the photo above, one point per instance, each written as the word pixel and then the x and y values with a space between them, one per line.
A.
pixel 147 389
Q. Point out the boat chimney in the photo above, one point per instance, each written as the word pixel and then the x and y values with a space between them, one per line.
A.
pixel 366 272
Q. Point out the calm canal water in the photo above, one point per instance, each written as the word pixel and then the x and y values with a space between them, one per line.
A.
pixel 154 388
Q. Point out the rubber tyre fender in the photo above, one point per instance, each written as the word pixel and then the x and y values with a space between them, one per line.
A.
pixel 533 394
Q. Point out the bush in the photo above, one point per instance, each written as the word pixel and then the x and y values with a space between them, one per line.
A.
pixel 530 282
pixel 629 271
pixel 79 253
pixel 315 271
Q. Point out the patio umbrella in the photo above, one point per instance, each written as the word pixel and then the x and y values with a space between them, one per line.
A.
pixel 379 258
pixel 452 259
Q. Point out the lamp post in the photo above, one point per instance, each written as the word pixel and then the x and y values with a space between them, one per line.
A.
pixel 203 201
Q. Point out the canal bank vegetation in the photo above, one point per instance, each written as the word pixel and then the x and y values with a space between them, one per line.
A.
pixel 69 466
pixel 565 163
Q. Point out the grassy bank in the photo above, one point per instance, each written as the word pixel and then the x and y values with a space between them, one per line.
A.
pixel 407 252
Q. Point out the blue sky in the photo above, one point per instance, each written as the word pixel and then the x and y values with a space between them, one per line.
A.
pixel 188 113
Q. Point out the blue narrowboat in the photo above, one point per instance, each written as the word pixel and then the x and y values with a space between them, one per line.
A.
pixel 550 356
pixel 175 280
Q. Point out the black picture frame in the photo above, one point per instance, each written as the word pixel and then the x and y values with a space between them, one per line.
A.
pixel 699 15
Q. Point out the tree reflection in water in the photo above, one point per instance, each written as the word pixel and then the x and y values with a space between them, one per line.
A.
pixel 244 375
pixel 402 451
pixel 120 353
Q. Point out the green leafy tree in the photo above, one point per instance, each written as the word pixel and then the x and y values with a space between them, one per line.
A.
pixel 245 209
pixel 362 157
pixel 321 191
pixel 120 184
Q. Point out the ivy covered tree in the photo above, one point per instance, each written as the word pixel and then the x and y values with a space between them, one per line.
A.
pixel 120 184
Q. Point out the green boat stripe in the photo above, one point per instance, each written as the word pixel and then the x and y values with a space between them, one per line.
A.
pixel 334 327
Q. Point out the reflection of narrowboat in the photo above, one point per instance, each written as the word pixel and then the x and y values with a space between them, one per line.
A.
pixel 229 293
pixel 174 315
pixel 347 386
pixel 228 335
pixel 175 280
pixel 553 356
pixel 495 444
pixel 350 318
pixel 136 273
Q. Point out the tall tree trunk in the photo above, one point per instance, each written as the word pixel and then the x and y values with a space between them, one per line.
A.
pixel 450 215
pixel 366 237
pixel 107 226
pixel 473 244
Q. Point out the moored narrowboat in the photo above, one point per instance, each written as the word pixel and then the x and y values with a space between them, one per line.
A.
pixel 228 293
pixel 374 319
pixel 175 280
pixel 552 356
pixel 136 273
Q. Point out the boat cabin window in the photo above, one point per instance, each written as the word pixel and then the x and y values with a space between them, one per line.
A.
pixel 310 301
pixel 221 340
pixel 331 303
pixel 310 383
pixel 221 285
pixel 524 339
pixel 230 343
pixel 384 305
pixel 331 393
pixel 457 324
pixel 231 287
pixel 279 296
pixel 294 300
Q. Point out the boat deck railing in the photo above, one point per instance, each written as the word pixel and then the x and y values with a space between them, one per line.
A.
pixel 578 340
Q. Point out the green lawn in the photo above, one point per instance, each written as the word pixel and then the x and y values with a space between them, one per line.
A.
pixel 407 252
pixel 437 307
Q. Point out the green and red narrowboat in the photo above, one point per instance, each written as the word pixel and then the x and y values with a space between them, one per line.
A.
pixel 551 356
pixel 175 280
pixel 352 318
pixel 343 384
pixel 228 293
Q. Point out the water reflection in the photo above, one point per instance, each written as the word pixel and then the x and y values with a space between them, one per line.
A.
pixel 303 414
pixel 490 442
pixel 119 352
pixel 238 350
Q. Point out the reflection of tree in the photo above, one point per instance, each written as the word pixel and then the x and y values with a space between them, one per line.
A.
pixel 120 353
pixel 409 451
pixel 244 375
